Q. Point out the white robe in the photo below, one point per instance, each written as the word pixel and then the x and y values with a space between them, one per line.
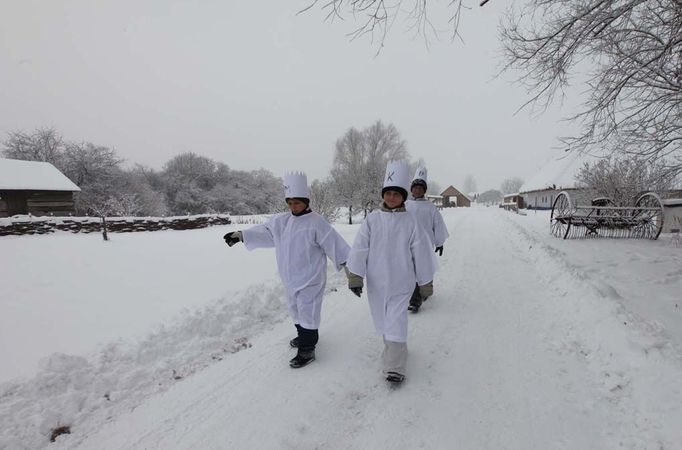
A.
pixel 430 218
pixel 393 252
pixel 302 245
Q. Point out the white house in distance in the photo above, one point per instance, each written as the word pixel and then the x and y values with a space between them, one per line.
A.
pixel 37 188
pixel 559 174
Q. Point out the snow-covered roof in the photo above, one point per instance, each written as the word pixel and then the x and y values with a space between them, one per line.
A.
pixel 33 176
pixel 559 173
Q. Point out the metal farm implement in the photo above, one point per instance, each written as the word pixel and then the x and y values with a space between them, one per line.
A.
pixel 600 219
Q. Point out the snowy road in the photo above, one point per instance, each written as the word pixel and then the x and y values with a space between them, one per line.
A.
pixel 512 352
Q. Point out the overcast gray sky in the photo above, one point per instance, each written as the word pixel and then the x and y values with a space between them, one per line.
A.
pixel 252 84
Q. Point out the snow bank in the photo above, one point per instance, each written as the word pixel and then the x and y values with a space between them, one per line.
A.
pixel 69 389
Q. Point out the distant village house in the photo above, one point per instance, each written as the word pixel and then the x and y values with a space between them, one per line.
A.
pixel 540 191
pixel 37 188
pixel 453 198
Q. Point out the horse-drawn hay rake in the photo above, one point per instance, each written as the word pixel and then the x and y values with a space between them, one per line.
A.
pixel 600 219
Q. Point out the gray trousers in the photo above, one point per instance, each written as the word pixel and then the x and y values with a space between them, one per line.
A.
pixel 394 356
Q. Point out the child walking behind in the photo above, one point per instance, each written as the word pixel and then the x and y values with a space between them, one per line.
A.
pixel 428 217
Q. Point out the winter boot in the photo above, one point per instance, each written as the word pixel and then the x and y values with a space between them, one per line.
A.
pixel 302 358
pixel 294 342
pixel 415 300
pixel 395 377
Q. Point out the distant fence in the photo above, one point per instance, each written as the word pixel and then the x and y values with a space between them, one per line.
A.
pixel 41 225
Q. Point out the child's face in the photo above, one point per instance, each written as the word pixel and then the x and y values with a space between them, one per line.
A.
pixel 418 191
pixel 393 199
pixel 295 206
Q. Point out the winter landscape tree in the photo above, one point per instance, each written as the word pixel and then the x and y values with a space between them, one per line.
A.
pixel 43 144
pixel 490 196
pixel 383 143
pixel 323 199
pixel 511 185
pixel 630 52
pixel 469 185
pixel 360 159
pixel 188 182
pixel 623 179
pixel 375 17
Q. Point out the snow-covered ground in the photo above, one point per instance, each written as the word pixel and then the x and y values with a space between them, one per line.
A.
pixel 172 340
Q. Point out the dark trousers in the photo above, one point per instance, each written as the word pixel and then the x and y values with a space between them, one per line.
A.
pixel 307 339
pixel 416 299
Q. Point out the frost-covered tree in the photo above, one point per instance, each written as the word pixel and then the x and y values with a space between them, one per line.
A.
pixel 511 185
pixel 624 179
pixel 85 163
pixel 469 185
pixel 629 50
pixel 43 144
pixel 346 169
pixel 382 143
pixel 631 53
pixel 360 162
pixel 187 179
pixel 374 18
pixel 490 196
pixel 323 199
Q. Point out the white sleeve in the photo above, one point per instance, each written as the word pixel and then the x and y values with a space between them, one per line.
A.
pixel 334 246
pixel 440 231
pixel 359 253
pixel 260 236
pixel 425 264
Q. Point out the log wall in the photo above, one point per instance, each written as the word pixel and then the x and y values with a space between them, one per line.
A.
pixel 29 226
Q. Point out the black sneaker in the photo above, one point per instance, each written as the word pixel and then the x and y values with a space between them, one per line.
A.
pixel 395 377
pixel 302 359
pixel 294 342
pixel 415 304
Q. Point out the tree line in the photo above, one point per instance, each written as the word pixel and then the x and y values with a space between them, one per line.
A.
pixel 193 184
pixel 187 184
pixel 190 183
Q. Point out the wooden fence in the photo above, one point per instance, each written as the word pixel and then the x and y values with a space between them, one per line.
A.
pixel 43 225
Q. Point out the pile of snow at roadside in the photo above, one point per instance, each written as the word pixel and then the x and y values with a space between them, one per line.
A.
pixel 202 300
pixel 121 375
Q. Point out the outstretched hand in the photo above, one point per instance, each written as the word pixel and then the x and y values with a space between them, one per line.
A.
pixel 232 238
pixel 439 250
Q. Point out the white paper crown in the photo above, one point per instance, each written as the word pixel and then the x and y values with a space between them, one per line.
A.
pixel 296 185
pixel 397 175
pixel 421 174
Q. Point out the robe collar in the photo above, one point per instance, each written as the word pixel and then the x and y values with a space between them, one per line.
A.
pixel 400 208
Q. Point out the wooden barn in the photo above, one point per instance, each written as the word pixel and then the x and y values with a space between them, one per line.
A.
pixel 513 201
pixel 32 187
pixel 452 198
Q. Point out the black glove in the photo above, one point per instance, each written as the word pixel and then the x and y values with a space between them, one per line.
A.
pixel 356 290
pixel 232 238
pixel 439 250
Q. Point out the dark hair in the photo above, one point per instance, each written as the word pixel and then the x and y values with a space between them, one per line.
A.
pixel 419 182
pixel 397 189
pixel 301 199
